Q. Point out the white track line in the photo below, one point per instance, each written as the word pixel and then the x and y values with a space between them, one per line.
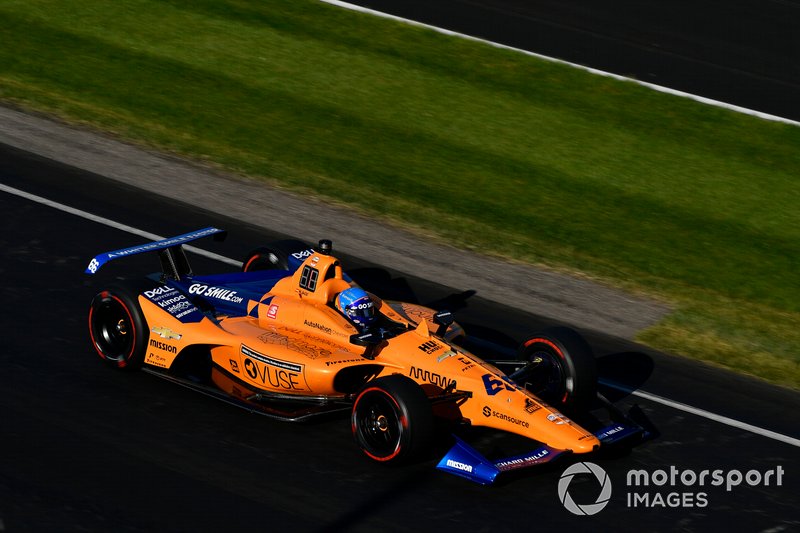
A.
pixel 703 413
pixel 108 222
pixel 640 393
pixel 653 86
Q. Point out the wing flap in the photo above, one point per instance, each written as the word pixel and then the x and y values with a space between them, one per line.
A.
pixel 156 246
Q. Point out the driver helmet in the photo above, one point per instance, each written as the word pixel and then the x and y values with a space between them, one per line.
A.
pixel 356 304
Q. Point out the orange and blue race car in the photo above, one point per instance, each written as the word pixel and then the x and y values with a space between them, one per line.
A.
pixel 292 336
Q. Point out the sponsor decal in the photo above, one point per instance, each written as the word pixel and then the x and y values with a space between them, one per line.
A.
pixel 318 341
pixel 415 313
pixel 430 347
pixel 272 312
pixel 488 412
pixel 273 377
pixel 177 303
pixel 249 352
pixel 159 293
pixel 186 312
pixel 558 419
pixel 521 462
pixel 302 255
pixel 459 466
pixel 180 307
pixel 166 333
pixel 218 293
pixel 430 377
pixel 342 362
pixel 365 305
pixel 156 360
pixel 468 363
pixel 273 372
pixel 167 243
pixel 173 302
pixel 272 337
pixel 531 406
pixel 317 325
pixel 312 350
pixel 163 346
pixel 494 385
pixel 251 368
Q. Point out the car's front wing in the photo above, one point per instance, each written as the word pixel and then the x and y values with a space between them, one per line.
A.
pixel 463 460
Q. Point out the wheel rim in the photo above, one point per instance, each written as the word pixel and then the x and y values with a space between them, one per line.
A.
pixel 379 425
pixel 547 378
pixel 112 329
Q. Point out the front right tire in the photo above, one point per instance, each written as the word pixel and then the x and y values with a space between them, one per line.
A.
pixel 563 370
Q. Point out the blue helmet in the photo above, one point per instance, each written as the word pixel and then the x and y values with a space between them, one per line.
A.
pixel 356 304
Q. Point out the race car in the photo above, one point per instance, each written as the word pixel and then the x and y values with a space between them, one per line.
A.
pixel 292 336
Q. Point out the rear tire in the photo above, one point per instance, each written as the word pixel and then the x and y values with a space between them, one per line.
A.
pixel 117 327
pixel 392 420
pixel 274 256
pixel 565 375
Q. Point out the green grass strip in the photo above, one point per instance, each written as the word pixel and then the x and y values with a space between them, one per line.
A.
pixel 486 148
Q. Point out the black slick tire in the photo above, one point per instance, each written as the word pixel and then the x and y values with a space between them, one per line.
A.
pixel 117 327
pixel 564 372
pixel 392 420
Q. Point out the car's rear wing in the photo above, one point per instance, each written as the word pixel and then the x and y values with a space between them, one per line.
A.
pixel 170 251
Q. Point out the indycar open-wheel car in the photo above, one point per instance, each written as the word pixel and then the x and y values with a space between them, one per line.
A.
pixel 275 339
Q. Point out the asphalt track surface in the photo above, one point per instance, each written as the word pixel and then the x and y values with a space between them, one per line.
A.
pixel 741 52
pixel 84 447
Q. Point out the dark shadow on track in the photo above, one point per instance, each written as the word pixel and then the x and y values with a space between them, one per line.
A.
pixel 380 500
pixel 627 371
pixel 381 282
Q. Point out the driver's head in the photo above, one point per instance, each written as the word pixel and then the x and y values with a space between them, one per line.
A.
pixel 356 304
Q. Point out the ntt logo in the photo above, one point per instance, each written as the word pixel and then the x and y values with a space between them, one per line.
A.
pixel 586 509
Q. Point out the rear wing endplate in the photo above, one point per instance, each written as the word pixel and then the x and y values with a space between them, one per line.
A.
pixel 173 259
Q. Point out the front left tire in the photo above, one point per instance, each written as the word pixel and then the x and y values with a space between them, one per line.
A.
pixel 392 420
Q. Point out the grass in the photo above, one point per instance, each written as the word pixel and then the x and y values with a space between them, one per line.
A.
pixel 489 149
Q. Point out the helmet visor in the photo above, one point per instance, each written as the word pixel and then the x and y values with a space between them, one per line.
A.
pixel 362 311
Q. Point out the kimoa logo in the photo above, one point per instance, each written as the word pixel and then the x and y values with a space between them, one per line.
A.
pixel 589 508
